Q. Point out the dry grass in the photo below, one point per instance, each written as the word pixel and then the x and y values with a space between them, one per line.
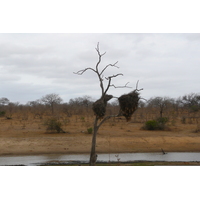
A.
pixel 29 136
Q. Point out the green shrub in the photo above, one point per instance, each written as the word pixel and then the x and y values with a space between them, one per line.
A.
pixel 90 130
pixel 151 125
pixel 53 124
pixel 158 124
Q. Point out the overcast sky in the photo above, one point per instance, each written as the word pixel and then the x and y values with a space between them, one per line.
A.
pixel 33 65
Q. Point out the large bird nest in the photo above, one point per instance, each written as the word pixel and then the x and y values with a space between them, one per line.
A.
pixel 128 104
pixel 99 106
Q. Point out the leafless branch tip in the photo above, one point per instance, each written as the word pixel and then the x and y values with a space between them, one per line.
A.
pixel 137 87
pixel 125 86
pixel 98 51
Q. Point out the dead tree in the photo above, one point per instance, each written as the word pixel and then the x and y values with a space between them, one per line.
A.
pixel 99 107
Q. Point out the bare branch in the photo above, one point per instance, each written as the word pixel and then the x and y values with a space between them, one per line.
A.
pixel 100 55
pixel 80 72
pixel 137 84
pixel 143 99
pixel 108 117
pixel 113 76
pixel 98 51
pixel 107 86
pixel 112 65
pixel 137 87
pixel 97 70
pixel 125 86
pixel 109 80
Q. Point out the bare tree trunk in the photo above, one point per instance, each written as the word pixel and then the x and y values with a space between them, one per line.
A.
pixel 93 155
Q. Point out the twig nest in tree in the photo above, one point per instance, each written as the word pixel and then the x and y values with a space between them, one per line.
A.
pixel 128 104
pixel 99 106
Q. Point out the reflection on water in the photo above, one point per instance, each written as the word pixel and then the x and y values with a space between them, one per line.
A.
pixel 84 158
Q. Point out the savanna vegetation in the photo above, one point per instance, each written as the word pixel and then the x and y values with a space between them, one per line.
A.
pixel 54 126
pixel 157 111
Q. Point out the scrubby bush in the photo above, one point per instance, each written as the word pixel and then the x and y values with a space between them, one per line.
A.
pixel 53 124
pixel 90 130
pixel 151 125
pixel 158 124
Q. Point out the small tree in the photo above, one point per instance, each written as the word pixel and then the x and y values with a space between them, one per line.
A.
pixel 51 100
pixel 99 107
pixel 192 102
pixel 161 103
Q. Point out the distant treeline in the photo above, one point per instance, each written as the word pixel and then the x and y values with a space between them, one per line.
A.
pixel 52 104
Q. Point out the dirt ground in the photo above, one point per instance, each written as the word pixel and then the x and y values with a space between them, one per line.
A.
pixel 28 137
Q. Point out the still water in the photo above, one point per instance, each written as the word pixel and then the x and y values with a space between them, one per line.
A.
pixel 35 160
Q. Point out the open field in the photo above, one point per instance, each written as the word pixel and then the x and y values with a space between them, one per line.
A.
pixel 29 136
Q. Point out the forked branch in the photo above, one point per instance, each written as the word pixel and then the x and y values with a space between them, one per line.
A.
pixel 112 65
pixel 125 86
pixel 100 55
pixel 100 73
pixel 137 87
pixel 109 81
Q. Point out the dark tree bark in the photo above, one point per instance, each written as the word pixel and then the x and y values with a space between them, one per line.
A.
pixel 93 156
